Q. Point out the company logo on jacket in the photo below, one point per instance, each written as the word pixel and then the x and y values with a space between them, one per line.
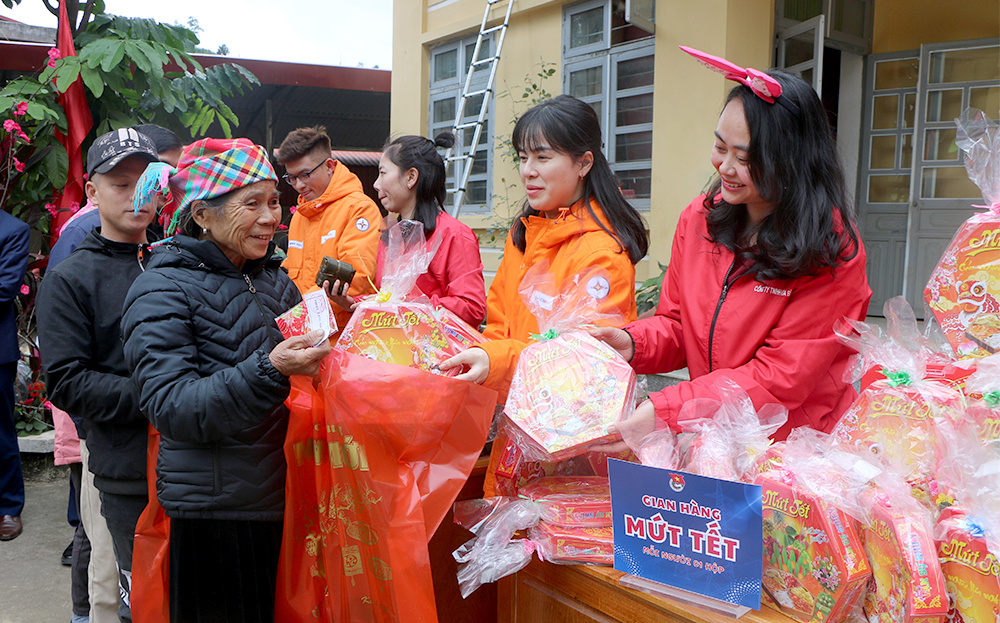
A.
pixel 769 290
pixel 330 235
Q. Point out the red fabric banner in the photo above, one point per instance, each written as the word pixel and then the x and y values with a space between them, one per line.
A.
pixel 74 102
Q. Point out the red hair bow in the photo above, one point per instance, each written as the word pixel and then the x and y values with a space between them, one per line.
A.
pixel 763 85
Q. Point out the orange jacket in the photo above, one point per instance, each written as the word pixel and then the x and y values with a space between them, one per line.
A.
pixel 571 243
pixel 343 224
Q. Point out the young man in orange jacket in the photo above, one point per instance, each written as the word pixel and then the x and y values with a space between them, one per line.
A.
pixel 334 216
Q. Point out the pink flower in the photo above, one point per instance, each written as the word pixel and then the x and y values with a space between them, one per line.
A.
pixel 48 405
pixel 53 210
pixel 21 109
pixel 74 207
pixel 15 128
pixel 25 289
pixel 282 227
pixel 293 209
pixel 18 165
pixel 54 55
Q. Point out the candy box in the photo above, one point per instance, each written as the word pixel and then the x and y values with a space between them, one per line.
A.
pixel 312 313
pixel 814 564
pixel 560 544
pixel 409 333
pixel 963 292
pixel 971 572
pixel 907 585
pixel 566 392
pixel 573 501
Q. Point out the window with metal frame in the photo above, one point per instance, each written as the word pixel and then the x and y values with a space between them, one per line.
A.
pixel 449 64
pixel 608 63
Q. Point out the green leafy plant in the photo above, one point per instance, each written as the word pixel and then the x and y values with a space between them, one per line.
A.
pixel 648 294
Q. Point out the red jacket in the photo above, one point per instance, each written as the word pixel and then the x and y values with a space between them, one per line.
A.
pixel 774 339
pixel 454 279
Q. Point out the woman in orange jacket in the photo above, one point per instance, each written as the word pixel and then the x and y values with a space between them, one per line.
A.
pixel 575 217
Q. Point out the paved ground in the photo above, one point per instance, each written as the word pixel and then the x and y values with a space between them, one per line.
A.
pixel 34 586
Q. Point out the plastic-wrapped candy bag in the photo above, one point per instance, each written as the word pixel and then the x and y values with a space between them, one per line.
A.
pixel 893 418
pixel 815 568
pixel 964 289
pixel 907 584
pixel 398 324
pixel 732 436
pixel 982 390
pixel 568 387
pixel 967 533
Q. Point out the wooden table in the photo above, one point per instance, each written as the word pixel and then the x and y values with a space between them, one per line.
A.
pixel 586 594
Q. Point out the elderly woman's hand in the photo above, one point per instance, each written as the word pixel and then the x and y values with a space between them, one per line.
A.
pixel 296 355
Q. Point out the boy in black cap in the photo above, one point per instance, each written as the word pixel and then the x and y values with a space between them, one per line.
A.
pixel 79 312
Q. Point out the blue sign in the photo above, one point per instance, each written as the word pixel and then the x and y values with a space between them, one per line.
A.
pixel 700 534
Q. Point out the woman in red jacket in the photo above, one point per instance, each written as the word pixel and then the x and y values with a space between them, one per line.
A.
pixel 411 186
pixel 761 267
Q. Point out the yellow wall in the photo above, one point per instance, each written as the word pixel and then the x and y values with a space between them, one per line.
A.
pixel 906 24
pixel 688 97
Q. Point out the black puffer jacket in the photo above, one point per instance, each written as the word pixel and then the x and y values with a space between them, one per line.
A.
pixel 79 312
pixel 197 337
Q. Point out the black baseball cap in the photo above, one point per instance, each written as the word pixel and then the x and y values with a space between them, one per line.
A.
pixel 111 148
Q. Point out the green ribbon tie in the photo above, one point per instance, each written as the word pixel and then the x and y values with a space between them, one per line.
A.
pixel 992 399
pixel 548 335
pixel 896 379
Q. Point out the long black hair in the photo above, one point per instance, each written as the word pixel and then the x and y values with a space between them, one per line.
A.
pixel 793 162
pixel 416 152
pixel 570 126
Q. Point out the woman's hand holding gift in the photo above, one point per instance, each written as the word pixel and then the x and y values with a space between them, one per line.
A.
pixel 618 339
pixel 636 426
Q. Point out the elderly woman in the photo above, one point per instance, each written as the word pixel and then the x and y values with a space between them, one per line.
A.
pixel 212 371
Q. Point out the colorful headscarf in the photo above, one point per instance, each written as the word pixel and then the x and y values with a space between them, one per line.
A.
pixel 208 168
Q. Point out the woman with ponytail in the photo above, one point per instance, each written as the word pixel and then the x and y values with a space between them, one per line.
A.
pixel 411 187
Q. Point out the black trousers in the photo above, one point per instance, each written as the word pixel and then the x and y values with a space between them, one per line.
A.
pixel 79 589
pixel 122 514
pixel 11 479
pixel 223 571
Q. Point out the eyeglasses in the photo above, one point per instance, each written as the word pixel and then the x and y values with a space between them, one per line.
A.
pixel 291 179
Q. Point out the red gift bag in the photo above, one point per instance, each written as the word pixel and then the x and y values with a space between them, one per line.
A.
pixel 151 550
pixel 377 454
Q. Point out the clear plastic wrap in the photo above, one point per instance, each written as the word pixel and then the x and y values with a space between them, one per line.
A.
pixel 398 324
pixel 982 390
pixel 568 387
pixel 893 418
pixel 732 436
pixel 907 584
pixel 815 568
pixel 967 533
pixel 568 518
pixel 571 501
pixel 963 292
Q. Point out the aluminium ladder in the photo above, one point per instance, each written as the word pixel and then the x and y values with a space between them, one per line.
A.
pixel 461 157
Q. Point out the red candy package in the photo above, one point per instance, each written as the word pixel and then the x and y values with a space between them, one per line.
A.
pixel 568 387
pixel 398 325
pixel 565 545
pixel 907 584
pixel 312 313
pixel 573 501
